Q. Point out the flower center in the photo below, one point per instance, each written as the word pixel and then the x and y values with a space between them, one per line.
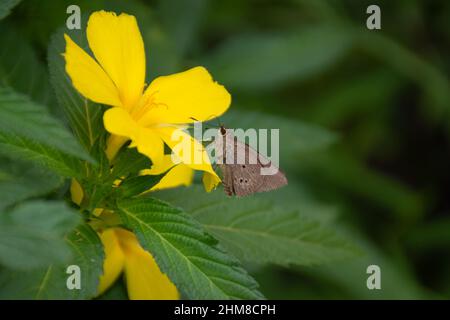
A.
pixel 144 105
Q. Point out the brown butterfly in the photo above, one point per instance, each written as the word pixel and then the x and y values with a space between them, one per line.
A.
pixel 242 167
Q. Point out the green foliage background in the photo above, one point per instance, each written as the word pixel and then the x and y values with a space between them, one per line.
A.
pixel 364 120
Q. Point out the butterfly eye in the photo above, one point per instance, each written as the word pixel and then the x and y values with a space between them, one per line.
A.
pixel 223 131
pixel 243 166
pixel 240 180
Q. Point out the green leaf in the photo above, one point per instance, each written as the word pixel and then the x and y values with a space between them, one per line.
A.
pixel 23 117
pixel 118 291
pixel 20 67
pixel 32 234
pixel 29 131
pixel 129 162
pixel 100 182
pixel 50 282
pixel 189 256
pixel 6 7
pixel 97 181
pixel 26 149
pixel 256 230
pixel 262 61
pixel 137 185
pixel 20 180
pixel 85 117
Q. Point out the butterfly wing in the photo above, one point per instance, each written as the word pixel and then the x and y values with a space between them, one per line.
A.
pixel 244 179
pixel 248 178
pixel 227 179
pixel 241 168
pixel 270 182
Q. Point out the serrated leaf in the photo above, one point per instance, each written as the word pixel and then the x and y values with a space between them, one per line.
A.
pixel 32 234
pixel 188 255
pixel 20 180
pixel 137 185
pixel 27 130
pixel 6 7
pixel 256 230
pixel 27 149
pixel 22 117
pixel 50 282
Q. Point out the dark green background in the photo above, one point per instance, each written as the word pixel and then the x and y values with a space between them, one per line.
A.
pixel 384 94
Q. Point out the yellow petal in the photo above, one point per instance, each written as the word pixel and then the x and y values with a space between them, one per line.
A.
pixel 150 144
pixel 145 281
pixel 97 211
pixel 113 145
pixel 88 77
pixel 165 164
pixel 188 150
pixel 210 181
pixel 114 259
pixel 179 175
pixel 119 122
pixel 185 96
pixel 76 192
pixel 117 45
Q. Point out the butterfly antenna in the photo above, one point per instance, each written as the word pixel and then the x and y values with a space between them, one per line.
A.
pixel 219 123
pixel 207 119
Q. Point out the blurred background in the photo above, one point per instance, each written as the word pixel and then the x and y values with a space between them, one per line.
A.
pixel 380 99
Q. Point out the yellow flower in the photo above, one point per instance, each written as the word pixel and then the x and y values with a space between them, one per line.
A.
pixel 142 275
pixel 123 253
pixel 176 175
pixel 151 116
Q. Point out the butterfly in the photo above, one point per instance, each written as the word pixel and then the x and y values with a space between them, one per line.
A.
pixel 245 171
